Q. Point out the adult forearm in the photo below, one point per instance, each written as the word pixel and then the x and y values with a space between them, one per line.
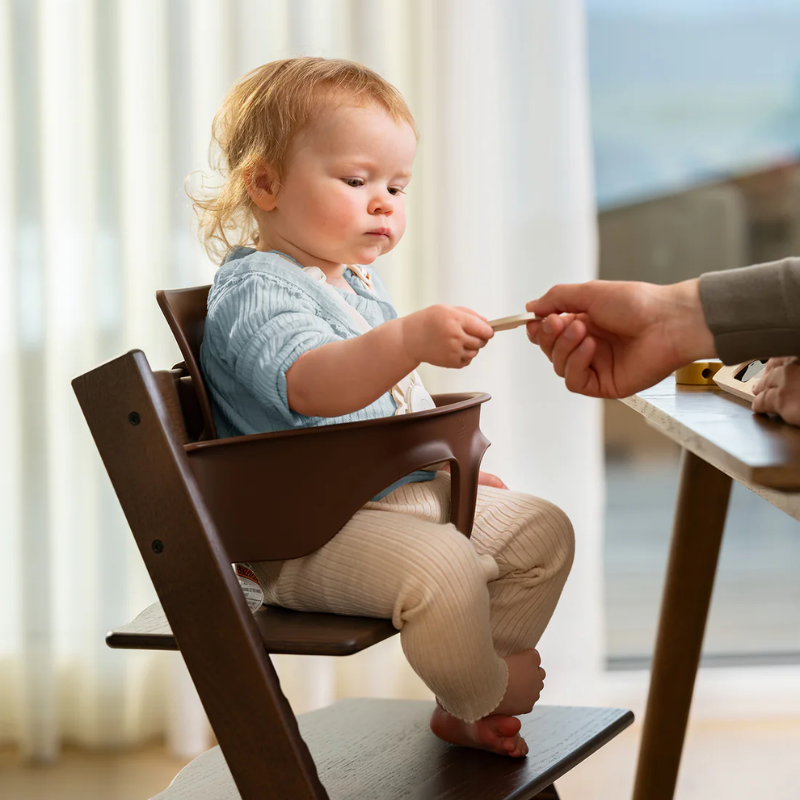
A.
pixel 343 377
pixel 754 312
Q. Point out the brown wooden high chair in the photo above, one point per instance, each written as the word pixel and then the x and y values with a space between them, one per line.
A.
pixel 196 504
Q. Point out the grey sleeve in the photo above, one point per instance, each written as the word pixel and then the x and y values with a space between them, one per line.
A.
pixel 754 312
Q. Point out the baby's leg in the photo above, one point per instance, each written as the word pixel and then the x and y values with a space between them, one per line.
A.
pixel 428 579
pixel 499 731
pixel 533 543
pixel 530 540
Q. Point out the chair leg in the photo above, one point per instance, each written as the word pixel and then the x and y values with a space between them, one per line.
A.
pixel 549 793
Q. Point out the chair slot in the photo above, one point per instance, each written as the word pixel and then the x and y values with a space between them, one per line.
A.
pixel 190 403
pixel 167 383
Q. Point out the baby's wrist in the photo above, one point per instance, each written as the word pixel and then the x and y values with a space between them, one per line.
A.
pixel 408 337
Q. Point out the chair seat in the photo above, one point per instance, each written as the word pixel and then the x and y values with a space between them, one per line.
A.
pixel 384 750
pixel 282 630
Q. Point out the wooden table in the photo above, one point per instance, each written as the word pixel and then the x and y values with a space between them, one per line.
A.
pixel 722 440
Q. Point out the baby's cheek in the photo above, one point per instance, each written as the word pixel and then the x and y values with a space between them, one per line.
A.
pixel 400 220
pixel 339 223
pixel 339 215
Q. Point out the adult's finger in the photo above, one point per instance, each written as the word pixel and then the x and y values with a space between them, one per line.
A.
pixel 551 329
pixel 533 329
pixel 768 377
pixel 767 401
pixel 774 364
pixel 579 376
pixel 777 361
pixel 566 344
pixel 769 368
pixel 564 297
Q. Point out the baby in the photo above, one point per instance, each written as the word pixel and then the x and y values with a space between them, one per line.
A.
pixel 300 332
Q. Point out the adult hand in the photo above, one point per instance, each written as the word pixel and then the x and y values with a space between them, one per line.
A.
pixel 614 338
pixel 778 389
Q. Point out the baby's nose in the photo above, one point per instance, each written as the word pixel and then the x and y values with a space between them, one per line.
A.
pixel 382 205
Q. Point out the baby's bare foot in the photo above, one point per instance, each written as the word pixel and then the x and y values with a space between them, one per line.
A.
pixel 496 733
pixel 525 683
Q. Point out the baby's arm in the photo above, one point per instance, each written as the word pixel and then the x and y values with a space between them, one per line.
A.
pixel 342 377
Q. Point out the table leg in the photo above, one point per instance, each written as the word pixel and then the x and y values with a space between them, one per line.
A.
pixel 696 539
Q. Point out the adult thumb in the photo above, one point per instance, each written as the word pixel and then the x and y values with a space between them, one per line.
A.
pixel 572 297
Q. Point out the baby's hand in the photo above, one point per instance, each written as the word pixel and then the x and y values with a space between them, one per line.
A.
pixel 445 336
pixel 488 479
pixel 778 389
pixel 484 478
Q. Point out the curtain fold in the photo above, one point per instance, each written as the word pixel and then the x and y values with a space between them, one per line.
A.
pixel 105 110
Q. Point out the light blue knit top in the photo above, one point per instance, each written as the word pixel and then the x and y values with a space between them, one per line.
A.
pixel 263 313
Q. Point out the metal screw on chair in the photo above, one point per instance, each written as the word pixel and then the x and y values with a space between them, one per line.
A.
pixel 134 418
pixel 158 546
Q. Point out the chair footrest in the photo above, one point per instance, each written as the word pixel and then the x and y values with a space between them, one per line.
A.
pixel 368 749
pixel 282 630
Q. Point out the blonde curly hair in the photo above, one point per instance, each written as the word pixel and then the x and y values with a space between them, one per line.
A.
pixel 256 125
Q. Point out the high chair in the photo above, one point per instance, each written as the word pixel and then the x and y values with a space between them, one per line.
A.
pixel 196 504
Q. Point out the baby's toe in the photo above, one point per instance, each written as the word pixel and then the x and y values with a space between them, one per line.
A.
pixel 519 748
pixel 505 726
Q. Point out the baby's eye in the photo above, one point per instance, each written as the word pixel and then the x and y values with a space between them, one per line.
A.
pixel 354 181
pixel 396 190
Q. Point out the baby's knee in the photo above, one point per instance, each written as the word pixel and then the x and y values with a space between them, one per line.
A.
pixel 555 535
pixel 566 537
pixel 446 567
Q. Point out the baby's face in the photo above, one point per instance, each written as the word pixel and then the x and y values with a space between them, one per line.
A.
pixel 341 199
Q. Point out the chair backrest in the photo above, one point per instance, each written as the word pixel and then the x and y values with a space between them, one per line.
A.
pixel 185 310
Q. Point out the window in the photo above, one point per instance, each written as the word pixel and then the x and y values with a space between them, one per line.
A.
pixel 696 134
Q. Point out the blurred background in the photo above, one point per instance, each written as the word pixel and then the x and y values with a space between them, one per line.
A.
pixel 560 140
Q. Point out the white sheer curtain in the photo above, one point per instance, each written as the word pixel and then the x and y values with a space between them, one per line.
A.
pixel 105 107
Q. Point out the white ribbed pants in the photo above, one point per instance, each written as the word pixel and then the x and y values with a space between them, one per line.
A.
pixel 460 604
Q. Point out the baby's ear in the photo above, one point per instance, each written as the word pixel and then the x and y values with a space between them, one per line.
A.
pixel 262 185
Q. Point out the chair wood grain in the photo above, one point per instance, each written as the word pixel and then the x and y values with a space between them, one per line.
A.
pixel 384 750
pixel 282 630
